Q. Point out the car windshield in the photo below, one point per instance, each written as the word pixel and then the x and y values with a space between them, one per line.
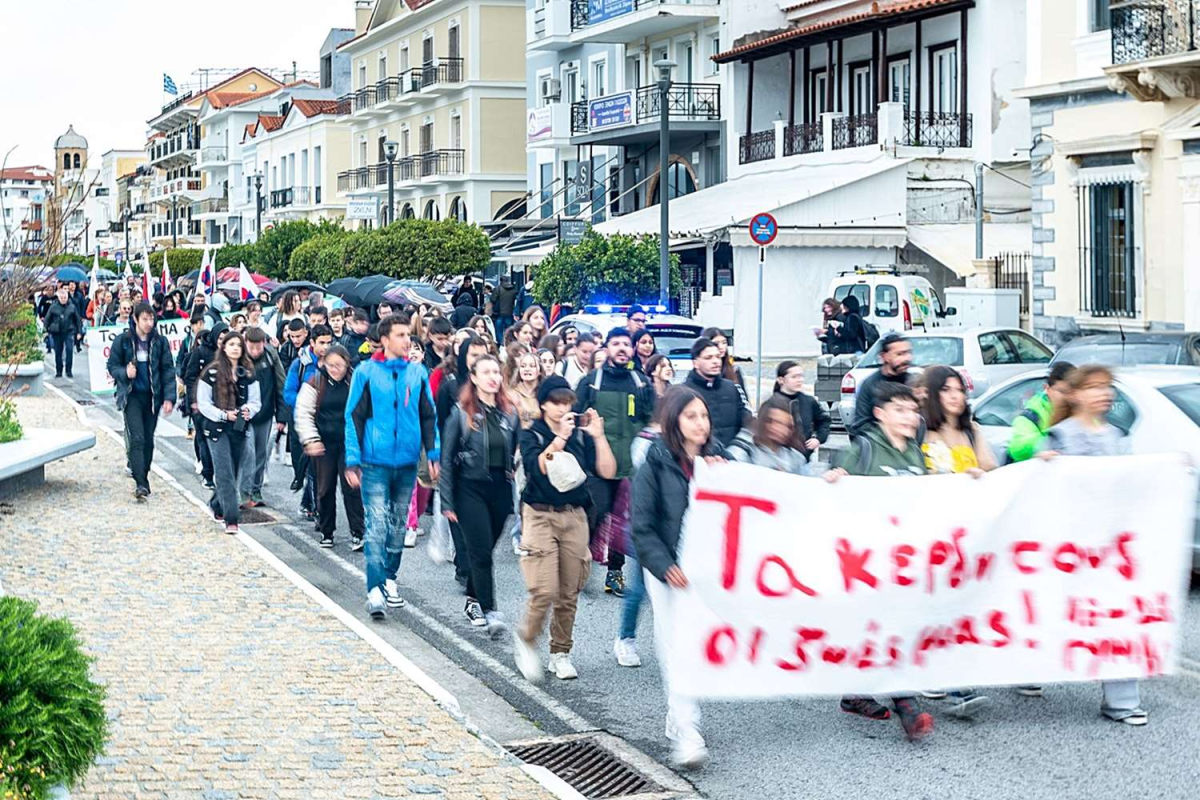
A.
pixel 927 351
pixel 674 340
pixel 1114 354
pixel 1186 396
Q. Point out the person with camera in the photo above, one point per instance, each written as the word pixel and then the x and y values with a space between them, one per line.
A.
pixel 477 483
pixel 559 450
pixel 139 362
pixel 227 395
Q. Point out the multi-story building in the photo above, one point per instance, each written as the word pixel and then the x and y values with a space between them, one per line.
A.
pixel 175 155
pixel 24 195
pixel 117 167
pixel 857 124
pixel 1116 165
pixel 596 101
pixel 443 80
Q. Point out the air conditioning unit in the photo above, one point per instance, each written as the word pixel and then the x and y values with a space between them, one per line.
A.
pixel 551 88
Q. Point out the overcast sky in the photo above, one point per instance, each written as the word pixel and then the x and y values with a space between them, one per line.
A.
pixel 98 65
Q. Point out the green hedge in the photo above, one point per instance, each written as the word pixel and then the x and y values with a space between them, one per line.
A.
pixel 19 338
pixel 52 720
pixel 182 260
pixel 615 269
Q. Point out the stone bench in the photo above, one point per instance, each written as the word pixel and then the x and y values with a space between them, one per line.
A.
pixel 26 378
pixel 23 462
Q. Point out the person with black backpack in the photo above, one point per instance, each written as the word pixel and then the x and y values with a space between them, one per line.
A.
pixel 851 334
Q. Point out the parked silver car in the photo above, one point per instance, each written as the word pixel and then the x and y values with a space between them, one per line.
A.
pixel 1158 407
pixel 983 356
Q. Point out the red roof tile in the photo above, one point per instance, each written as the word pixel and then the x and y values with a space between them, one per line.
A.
pixel 250 126
pixel 270 122
pixel 876 11
pixel 32 173
pixel 311 108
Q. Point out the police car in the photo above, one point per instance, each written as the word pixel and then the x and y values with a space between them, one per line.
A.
pixel 673 334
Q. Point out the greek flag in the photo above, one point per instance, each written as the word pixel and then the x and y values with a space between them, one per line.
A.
pixel 169 85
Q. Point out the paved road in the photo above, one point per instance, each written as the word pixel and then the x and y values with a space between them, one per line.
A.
pixel 1025 748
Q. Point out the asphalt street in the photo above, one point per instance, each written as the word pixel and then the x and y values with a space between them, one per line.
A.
pixel 1053 747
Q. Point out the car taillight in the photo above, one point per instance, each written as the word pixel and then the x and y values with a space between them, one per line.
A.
pixel 848 384
pixel 968 384
pixel 907 317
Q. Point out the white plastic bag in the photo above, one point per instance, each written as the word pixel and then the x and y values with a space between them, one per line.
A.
pixel 441 543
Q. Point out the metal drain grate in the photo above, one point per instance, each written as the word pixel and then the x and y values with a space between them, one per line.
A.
pixel 588 767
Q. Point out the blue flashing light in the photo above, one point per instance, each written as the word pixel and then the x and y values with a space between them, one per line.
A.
pixel 604 309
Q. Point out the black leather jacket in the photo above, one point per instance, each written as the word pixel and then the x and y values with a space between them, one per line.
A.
pixel 465 451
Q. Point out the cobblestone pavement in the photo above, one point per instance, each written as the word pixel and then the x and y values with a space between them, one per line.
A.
pixel 224 679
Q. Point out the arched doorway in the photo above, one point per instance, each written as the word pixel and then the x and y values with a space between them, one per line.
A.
pixel 513 209
pixel 458 209
pixel 407 212
pixel 431 210
pixel 681 180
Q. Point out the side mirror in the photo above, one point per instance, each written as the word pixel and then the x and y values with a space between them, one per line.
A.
pixel 949 312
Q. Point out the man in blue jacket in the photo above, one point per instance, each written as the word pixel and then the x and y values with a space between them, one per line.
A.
pixel 390 418
pixel 304 367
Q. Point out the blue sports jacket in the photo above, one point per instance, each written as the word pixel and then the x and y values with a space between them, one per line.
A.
pixel 390 415
pixel 303 367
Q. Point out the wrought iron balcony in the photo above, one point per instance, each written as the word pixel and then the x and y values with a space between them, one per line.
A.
pixel 442 162
pixel 691 101
pixel 1150 28
pixel 803 138
pixel 937 129
pixel 857 130
pixel 756 146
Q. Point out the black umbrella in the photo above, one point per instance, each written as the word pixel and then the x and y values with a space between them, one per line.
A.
pixel 192 276
pixel 297 285
pixel 372 288
pixel 345 288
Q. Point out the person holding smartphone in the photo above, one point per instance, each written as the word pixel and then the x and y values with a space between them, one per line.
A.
pixel 227 395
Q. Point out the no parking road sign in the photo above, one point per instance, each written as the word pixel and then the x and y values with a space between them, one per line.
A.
pixel 763 229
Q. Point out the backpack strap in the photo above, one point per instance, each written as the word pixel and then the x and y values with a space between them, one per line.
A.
pixel 866 451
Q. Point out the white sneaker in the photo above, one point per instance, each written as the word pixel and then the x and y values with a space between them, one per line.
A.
pixel 496 626
pixel 474 613
pixel 517 551
pixel 690 751
pixel 626 652
pixel 560 664
pixel 376 606
pixel 527 659
pixel 391 593
pixel 199 467
pixel 410 537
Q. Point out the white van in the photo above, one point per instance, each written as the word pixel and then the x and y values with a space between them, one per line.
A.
pixel 892 300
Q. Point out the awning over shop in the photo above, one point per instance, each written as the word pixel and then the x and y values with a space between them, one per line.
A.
pixel 733 203
pixel 954 244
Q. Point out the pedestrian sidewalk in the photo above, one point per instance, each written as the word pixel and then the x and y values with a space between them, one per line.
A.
pixel 225 680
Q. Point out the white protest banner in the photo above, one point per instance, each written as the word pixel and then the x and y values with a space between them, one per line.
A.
pixel 99 342
pixel 1070 570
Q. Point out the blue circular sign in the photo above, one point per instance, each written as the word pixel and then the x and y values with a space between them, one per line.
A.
pixel 763 229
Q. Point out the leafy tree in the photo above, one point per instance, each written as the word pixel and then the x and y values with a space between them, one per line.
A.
pixel 275 246
pixel 233 254
pixel 321 258
pixel 617 269
pixel 434 250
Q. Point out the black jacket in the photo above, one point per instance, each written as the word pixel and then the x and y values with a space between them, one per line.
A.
pixel 464 310
pixel 851 336
pixel 809 416
pixel 162 368
pixel 268 371
pixel 504 300
pixel 659 501
pixel 63 319
pixel 864 401
pixel 465 451
pixel 203 351
pixel 726 411
pixel 353 343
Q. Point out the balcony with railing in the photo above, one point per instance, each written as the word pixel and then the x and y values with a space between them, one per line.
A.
pixel 936 129
pixel 1156 48
pixel 856 130
pixel 623 21
pixel 756 146
pixel 442 163
pixel 210 205
pixel 803 138
pixel 178 147
pixel 292 196
pixel 213 156
pixel 441 75
pixel 691 106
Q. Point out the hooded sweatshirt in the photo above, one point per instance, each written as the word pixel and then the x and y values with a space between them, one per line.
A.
pixel 872 453
pixel 464 310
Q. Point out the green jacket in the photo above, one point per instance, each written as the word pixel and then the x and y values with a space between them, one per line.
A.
pixel 871 453
pixel 1029 428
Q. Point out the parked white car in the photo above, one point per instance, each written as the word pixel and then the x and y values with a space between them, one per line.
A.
pixel 1158 407
pixel 983 356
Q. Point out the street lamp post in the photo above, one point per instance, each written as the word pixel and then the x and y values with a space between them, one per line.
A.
pixel 257 205
pixel 174 221
pixel 390 149
pixel 664 67
pixel 126 215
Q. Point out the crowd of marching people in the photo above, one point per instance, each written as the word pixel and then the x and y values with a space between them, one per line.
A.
pixel 575 448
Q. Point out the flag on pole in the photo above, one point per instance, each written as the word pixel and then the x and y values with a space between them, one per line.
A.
pixel 169 85
pixel 165 278
pixel 128 271
pixel 94 277
pixel 246 285
pixel 206 280
pixel 147 281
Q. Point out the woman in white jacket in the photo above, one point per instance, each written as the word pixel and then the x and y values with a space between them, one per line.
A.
pixel 320 420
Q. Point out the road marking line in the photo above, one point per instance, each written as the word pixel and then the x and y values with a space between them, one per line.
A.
pixel 440 695
pixel 568 717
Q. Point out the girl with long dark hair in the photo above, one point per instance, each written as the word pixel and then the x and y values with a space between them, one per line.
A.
pixel 227 395
pixel 477 481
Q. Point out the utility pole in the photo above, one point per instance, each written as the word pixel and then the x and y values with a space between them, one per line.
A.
pixel 665 66
pixel 174 221
pixel 257 205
